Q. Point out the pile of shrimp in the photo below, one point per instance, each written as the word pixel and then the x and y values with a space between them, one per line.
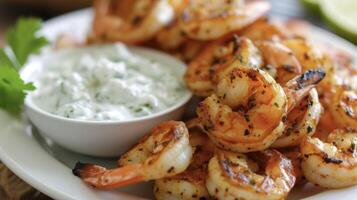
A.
pixel 276 109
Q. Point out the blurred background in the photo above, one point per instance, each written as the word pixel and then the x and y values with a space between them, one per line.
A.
pixel 10 10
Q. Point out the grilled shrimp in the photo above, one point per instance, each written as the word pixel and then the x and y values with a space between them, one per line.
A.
pixel 264 30
pixel 189 184
pixel 164 152
pixel 294 155
pixel 279 60
pixel 189 50
pixel 269 30
pixel 301 121
pixel 311 57
pixel 344 107
pixel 200 72
pixel 345 73
pixel 207 20
pixel 325 126
pixel 248 111
pixel 171 37
pixel 130 21
pixel 332 164
pixel 234 176
pixel 297 28
pixel 241 52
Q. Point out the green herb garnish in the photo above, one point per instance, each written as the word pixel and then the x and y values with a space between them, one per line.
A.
pixel 12 89
pixel 22 41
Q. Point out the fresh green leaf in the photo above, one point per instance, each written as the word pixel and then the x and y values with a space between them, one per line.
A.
pixel 24 39
pixel 12 89
pixel 5 60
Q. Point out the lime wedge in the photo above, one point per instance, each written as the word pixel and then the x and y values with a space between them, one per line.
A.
pixel 311 5
pixel 341 16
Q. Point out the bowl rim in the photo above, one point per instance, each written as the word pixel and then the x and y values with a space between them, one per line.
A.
pixel 142 50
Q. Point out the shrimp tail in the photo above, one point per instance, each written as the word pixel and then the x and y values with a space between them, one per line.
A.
pixel 308 79
pixel 102 178
pixel 300 86
pixel 87 170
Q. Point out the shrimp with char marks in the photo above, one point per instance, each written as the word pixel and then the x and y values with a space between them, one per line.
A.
pixel 310 57
pixel 241 52
pixel 265 30
pixel 235 176
pixel 344 107
pixel 270 56
pixel 248 111
pixel 171 36
pixel 200 75
pixel 164 152
pixel 131 22
pixel 302 121
pixel 294 155
pixel 189 184
pixel 279 61
pixel 331 164
pixel 207 20
pixel 189 50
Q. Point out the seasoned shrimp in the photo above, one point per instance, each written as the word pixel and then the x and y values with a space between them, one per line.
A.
pixel 326 125
pixel 248 111
pixel 279 60
pixel 131 21
pixel 164 152
pixel 332 164
pixel 344 71
pixel 298 28
pixel 311 57
pixel 178 6
pixel 341 58
pixel 189 184
pixel 171 37
pixel 240 52
pixel 234 176
pixel 301 121
pixel 346 76
pixel 190 49
pixel 344 107
pixel 197 76
pixel 200 72
pixel 272 30
pixel 207 20
pixel 294 155
pixel 327 120
pixel 265 30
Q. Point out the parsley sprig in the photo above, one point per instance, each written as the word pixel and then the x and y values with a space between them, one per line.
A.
pixel 22 40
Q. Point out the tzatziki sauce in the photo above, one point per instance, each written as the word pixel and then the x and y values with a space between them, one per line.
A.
pixel 106 83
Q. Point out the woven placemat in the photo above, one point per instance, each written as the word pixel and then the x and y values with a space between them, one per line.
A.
pixel 13 188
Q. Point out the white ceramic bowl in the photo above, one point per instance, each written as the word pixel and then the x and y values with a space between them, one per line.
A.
pixel 105 139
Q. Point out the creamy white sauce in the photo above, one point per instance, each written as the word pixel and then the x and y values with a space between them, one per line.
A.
pixel 106 83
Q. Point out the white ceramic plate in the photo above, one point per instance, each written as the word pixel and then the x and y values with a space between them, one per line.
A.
pixel 47 166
